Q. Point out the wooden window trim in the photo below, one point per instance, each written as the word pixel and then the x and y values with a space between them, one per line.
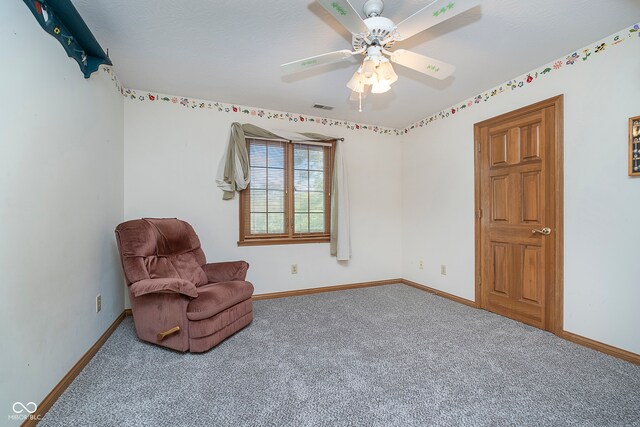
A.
pixel 289 237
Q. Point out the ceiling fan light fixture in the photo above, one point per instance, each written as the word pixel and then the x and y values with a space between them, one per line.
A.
pixel 380 87
pixel 356 83
pixel 371 80
pixel 368 67
pixel 386 72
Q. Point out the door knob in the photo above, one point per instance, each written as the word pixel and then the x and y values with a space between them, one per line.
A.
pixel 545 231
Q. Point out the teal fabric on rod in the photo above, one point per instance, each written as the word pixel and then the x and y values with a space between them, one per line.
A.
pixel 61 19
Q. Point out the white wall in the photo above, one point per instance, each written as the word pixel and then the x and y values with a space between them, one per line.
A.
pixel 171 159
pixel 602 282
pixel 61 195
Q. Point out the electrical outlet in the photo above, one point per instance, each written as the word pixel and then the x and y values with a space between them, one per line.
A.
pixel 443 270
pixel 294 268
pixel 98 303
pixel 421 265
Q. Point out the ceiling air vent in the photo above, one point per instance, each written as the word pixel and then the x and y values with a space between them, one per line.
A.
pixel 322 107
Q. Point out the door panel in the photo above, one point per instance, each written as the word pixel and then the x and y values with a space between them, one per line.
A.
pixel 530 136
pixel 516 168
pixel 500 268
pixel 531 206
pixel 531 287
pixel 498 149
pixel 513 146
pixel 500 198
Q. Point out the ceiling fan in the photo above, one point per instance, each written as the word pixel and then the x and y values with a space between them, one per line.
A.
pixel 375 35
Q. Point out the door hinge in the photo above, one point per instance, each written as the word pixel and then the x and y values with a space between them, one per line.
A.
pixel 479 213
pixel 478 146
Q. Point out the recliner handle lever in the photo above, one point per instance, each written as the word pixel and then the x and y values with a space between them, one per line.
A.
pixel 163 335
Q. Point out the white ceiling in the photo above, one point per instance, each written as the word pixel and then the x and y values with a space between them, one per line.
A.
pixel 230 50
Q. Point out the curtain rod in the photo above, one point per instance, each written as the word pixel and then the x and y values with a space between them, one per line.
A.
pixel 289 140
pixel 316 140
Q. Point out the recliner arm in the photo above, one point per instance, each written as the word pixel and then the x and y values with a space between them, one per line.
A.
pixel 226 271
pixel 164 285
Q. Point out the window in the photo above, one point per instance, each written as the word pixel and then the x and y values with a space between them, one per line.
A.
pixel 289 197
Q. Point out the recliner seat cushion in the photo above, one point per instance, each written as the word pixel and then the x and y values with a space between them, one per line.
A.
pixel 216 297
pixel 163 285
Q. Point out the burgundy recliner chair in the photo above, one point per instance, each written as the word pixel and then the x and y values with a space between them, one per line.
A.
pixel 178 300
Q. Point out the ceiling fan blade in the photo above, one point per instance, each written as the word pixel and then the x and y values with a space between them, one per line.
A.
pixel 424 64
pixel 435 13
pixel 344 13
pixel 314 61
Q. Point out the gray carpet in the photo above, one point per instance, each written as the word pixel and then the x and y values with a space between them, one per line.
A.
pixel 384 356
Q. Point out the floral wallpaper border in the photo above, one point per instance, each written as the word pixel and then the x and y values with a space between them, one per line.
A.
pixel 114 78
pixel 573 59
pixel 252 111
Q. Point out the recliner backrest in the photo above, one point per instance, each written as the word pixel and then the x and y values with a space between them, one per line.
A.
pixel 160 247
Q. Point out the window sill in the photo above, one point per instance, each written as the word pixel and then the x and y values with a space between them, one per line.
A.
pixel 299 240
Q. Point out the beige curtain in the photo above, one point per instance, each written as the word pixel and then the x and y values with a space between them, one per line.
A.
pixel 233 175
pixel 340 229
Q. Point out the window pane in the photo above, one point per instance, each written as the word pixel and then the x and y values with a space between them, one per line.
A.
pixel 276 201
pixel 276 223
pixel 316 181
pixel 316 202
pixel 301 223
pixel 316 159
pixel 258 154
pixel 300 157
pixel 258 200
pixel 276 156
pixel 258 223
pixel 258 178
pixel 275 179
pixel 274 170
pixel 301 201
pixel 301 180
pixel 316 223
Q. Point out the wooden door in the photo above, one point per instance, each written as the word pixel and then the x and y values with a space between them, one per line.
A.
pixel 518 201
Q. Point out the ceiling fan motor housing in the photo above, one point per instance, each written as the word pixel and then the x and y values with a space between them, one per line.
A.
pixel 380 32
